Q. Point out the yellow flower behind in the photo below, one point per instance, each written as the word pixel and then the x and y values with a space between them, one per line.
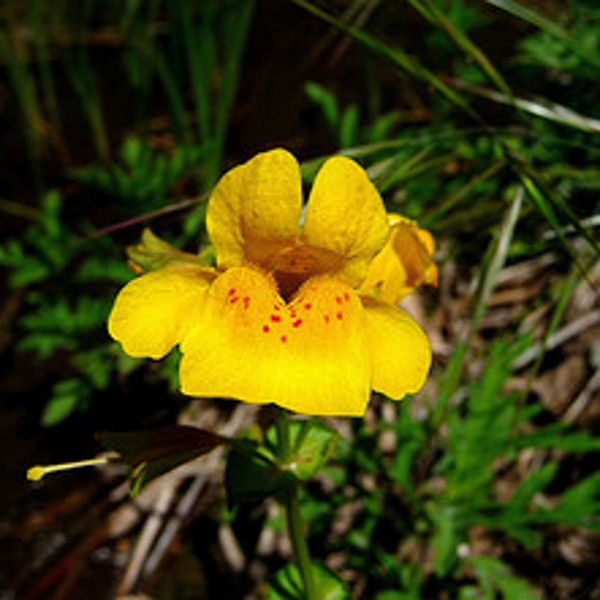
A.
pixel 404 264
pixel 283 317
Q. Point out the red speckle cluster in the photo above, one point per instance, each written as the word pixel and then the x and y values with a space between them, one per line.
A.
pixel 297 321
pixel 233 298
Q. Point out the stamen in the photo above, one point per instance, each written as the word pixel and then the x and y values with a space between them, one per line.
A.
pixel 36 473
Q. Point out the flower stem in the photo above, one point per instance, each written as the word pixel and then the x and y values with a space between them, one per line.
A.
pixel 293 516
pixel 295 527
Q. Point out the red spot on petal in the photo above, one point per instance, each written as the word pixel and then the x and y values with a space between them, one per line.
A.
pixel 283 339
pixel 326 317
pixel 266 328
pixel 297 323
pixel 292 315
pixel 276 307
pixel 246 302
pixel 338 299
pixel 234 300
pixel 275 318
pixel 308 306
pixel 346 296
pixel 231 292
pixel 339 316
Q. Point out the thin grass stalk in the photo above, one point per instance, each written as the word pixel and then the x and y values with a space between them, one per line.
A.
pixel 549 26
pixel 488 275
pixel 451 202
pixel 435 16
pixel 39 24
pixel 172 88
pixel 414 169
pixel 565 292
pixel 80 72
pixel 402 60
pixel 198 39
pixel 24 86
pixel 235 32
pixel 543 109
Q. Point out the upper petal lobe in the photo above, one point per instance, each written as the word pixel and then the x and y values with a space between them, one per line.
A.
pixel 346 215
pixel 255 209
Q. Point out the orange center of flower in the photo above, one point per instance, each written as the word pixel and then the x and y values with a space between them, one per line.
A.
pixel 248 300
pixel 294 265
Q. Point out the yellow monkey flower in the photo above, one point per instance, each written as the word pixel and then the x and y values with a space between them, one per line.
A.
pixel 282 318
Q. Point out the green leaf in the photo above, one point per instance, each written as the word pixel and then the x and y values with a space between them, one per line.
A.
pixel 326 100
pixel 154 452
pixel 449 522
pixel 393 54
pixel 311 443
pixel 436 16
pixel 65 401
pixel 349 127
pixel 494 574
pixel 536 481
pixel 251 474
pixel 287 584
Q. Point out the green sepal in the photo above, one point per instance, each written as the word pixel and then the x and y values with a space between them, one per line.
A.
pixel 153 253
pixel 154 452
pixel 311 444
pixel 252 474
pixel 286 584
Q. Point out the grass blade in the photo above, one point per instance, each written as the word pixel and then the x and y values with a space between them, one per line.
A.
pixel 548 25
pixel 398 57
pixel 433 14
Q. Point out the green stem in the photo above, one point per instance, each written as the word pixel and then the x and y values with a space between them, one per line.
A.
pixel 295 527
pixel 283 435
pixel 293 516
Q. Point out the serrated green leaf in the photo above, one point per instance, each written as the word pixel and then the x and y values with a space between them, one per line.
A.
pixel 287 584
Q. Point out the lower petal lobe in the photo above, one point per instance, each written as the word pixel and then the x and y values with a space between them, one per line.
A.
pixel 399 350
pixel 307 355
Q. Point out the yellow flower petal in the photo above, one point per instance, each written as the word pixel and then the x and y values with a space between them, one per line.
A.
pixel 404 264
pixel 255 209
pixel 308 356
pixel 399 350
pixel 151 313
pixel 345 214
